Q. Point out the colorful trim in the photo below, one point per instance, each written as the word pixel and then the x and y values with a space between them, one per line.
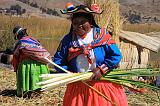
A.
pixel 70 8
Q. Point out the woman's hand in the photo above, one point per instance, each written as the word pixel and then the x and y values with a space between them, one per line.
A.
pixel 98 72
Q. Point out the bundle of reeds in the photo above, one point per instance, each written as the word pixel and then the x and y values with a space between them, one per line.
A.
pixel 51 81
pixel 119 76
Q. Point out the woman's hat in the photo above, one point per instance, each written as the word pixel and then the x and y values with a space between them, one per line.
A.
pixel 18 29
pixel 71 9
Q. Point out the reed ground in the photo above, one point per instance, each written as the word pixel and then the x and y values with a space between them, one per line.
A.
pixel 54 98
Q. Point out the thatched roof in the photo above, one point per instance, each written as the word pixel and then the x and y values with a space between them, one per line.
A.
pixel 155 35
pixel 141 40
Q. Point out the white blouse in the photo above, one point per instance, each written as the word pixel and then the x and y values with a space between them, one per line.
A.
pixel 82 61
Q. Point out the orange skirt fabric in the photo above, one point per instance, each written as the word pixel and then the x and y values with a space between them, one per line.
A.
pixel 78 94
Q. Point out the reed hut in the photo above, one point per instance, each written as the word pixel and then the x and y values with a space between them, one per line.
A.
pixel 136 48
pixel 154 56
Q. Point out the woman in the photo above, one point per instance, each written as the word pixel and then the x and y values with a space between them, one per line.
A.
pixel 89 48
pixel 28 62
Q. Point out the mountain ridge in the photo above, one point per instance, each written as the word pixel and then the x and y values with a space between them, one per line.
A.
pixel 136 11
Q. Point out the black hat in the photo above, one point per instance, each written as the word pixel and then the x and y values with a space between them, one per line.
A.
pixel 71 9
pixel 18 29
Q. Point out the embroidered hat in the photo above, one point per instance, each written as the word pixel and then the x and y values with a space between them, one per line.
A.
pixel 71 9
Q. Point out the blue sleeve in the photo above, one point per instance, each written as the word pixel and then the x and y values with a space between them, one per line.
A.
pixel 113 56
pixel 60 57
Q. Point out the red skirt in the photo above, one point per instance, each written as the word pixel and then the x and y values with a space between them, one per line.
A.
pixel 78 94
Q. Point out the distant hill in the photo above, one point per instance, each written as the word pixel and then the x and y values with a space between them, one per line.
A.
pixel 8 3
pixel 146 10
pixel 135 11
pixel 55 3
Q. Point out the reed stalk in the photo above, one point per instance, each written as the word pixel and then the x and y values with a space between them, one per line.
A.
pixel 49 76
pixel 56 79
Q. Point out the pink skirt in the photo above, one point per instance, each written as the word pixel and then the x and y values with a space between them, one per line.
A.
pixel 78 94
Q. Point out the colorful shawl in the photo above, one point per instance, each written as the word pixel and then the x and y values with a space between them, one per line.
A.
pixel 29 48
pixel 101 37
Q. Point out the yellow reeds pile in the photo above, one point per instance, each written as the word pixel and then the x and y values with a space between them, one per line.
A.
pixel 110 18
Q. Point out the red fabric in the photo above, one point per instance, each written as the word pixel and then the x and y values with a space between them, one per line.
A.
pixel 74 52
pixel 14 62
pixel 17 59
pixel 78 94
pixel 99 40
